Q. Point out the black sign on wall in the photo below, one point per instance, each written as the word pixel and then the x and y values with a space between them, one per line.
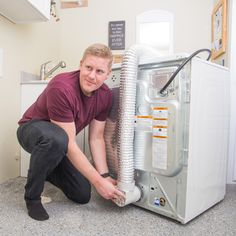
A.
pixel 117 35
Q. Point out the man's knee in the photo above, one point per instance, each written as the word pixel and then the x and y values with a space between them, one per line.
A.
pixel 60 141
pixel 81 197
pixel 80 194
pixel 56 141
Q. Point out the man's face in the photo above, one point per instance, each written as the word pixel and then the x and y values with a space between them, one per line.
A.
pixel 93 72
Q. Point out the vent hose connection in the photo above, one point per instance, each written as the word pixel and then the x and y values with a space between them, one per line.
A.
pixel 126 119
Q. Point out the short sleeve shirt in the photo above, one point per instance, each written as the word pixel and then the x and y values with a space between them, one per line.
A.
pixel 63 101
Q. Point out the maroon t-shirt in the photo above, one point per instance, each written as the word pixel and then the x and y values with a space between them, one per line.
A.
pixel 63 101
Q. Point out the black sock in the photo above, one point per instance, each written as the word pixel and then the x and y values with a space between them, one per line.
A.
pixel 36 210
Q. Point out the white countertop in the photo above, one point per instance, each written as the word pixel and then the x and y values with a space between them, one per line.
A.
pixel 28 78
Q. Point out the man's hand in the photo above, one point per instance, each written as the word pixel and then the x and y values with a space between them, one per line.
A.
pixel 107 189
pixel 113 181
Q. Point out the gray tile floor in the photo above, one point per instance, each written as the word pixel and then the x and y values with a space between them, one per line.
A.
pixel 101 217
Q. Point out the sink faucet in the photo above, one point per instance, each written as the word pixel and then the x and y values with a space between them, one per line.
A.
pixel 44 74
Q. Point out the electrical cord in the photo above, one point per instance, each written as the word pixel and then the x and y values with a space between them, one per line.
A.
pixel 182 65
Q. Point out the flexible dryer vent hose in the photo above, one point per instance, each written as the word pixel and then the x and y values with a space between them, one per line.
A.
pixel 126 111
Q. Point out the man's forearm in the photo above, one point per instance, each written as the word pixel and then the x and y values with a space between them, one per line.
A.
pixel 98 151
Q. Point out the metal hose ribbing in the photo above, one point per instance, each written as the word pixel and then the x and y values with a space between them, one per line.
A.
pixel 126 115
pixel 126 119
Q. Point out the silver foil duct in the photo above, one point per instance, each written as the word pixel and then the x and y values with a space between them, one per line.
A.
pixel 119 136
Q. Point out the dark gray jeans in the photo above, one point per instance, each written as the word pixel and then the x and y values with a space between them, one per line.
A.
pixel 47 144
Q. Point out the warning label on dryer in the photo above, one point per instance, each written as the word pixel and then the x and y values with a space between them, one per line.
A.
pixel 160 137
pixel 159 153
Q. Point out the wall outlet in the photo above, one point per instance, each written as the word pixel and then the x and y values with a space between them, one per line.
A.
pixel 1 63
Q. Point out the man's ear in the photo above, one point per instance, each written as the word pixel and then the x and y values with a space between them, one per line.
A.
pixel 108 74
pixel 80 64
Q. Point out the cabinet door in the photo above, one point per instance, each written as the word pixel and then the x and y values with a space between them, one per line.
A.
pixel 29 94
pixel 43 6
pixel 25 11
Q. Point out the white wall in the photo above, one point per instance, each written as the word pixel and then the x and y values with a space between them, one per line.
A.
pixel 25 47
pixel 232 61
pixel 83 26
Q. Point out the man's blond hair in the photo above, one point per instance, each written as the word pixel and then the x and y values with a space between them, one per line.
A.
pixel 99 50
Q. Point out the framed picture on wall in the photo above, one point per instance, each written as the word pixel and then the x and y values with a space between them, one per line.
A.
pixel 219 28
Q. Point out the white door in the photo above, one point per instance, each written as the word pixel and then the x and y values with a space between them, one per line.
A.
pixel 29 94
pixel 232 52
